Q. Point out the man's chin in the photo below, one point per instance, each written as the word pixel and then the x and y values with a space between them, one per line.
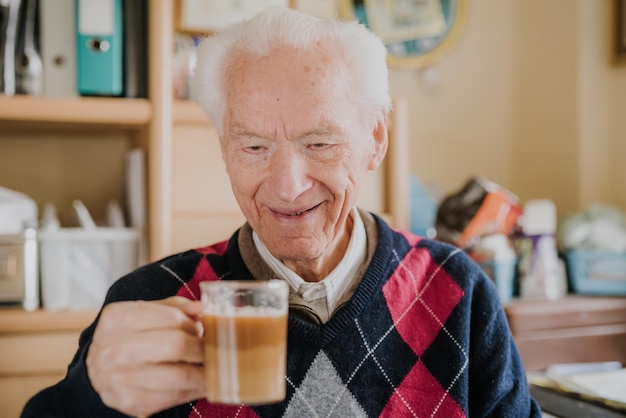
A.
pixel 295 250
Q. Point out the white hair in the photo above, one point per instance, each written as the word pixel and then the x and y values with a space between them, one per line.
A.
pixel 362 51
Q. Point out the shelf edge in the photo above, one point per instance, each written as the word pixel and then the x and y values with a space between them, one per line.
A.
pixel 76 110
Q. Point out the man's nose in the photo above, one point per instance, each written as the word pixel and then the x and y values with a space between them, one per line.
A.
pixel 289 177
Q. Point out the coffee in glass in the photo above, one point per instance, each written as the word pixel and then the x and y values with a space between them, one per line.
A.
pixel 245 333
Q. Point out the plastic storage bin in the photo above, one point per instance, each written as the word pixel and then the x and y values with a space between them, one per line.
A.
pixel 77 266
pixel 597 272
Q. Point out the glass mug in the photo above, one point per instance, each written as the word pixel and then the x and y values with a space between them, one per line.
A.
pixel 245 340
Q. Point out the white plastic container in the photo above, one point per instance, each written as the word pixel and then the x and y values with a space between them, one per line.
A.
pixel 77 266
pixel 542 274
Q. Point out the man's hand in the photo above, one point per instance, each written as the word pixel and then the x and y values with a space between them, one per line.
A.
pixel 147 356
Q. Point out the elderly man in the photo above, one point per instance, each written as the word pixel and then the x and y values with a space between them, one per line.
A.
pixel 381 322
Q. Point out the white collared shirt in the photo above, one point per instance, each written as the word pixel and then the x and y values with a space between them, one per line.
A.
pixel 332 287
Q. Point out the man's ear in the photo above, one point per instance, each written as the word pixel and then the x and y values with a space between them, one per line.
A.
pixel 381 142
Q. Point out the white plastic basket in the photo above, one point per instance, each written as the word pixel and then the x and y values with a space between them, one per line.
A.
pixel 78 266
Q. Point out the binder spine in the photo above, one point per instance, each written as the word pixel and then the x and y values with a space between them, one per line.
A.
pixel 58 47
pixel 135 48
pixel 8 46
pixel 99 47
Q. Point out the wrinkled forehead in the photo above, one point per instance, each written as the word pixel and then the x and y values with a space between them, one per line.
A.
pixel 286 71
pixel 287 79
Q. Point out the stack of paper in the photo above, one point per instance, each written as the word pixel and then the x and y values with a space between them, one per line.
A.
pixel 602 382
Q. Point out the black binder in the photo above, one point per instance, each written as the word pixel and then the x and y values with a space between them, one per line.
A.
pixel 135 18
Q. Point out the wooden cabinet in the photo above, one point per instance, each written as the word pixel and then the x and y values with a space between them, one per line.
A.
pixel 569 330
pixel 35 350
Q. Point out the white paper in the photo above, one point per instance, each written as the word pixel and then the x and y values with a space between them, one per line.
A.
pixel 609 385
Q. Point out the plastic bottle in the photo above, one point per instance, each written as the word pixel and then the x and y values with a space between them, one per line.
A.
pixel 541 272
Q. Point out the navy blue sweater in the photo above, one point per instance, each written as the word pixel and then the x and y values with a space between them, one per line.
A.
pixel 424 335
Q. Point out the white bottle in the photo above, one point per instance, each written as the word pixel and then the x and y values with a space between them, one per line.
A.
pixel 541 272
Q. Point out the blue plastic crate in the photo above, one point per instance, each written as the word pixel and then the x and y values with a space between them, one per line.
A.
pixel 597 272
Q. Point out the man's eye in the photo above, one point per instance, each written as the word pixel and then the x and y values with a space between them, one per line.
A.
pixel 255 148
pixel 320 146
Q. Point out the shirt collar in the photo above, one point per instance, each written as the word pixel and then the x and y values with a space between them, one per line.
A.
pixel 333 286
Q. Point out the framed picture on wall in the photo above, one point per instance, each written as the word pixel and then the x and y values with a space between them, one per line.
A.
pixel 620 29
pixel 208 16
pixel 398 21
pixel 416 33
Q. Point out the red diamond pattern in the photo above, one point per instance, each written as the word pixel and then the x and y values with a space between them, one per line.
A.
pixel 424 393
pixel 204 409
pixel 415 299
pixel 218 249
pixel 419 310
pixel 203 272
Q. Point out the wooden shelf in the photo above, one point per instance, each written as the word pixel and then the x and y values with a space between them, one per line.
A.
pixel 15 320
pixel 119 112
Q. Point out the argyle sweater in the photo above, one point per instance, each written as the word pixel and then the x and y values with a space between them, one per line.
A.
pixel 423 335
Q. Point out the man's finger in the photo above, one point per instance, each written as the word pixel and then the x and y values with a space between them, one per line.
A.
pixel 163 346
pixel 136 316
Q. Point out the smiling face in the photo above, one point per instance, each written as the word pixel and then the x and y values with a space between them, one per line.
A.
pixel 296 150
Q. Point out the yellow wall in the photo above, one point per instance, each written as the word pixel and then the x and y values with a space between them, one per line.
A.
pixel 528 98
pixel 459 124
pixel 546 115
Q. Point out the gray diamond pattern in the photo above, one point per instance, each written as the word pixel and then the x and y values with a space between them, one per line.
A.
pixel 311 398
